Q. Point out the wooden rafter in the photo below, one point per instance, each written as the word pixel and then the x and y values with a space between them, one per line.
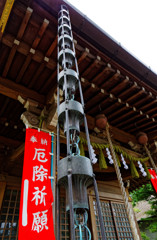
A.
pixel 83 56
pixel 25 49
pixel 134 96
pixel 123 108
pixel 9 142
pixel 13 90
pixel 127 91
pixel 33 48
pixel 145 126
pixel 120 86
pixel 16 41
pixel 105 73
pixel 88 69
pixel 130 121
pixel 112 80
pixel 42 66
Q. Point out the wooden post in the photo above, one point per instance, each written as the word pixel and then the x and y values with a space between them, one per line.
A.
pixel 2 191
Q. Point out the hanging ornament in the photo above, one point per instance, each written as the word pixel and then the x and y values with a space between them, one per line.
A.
pixel 101 121
pixel 124 162
pixel 142 169
pixel 109 156
pixel 134 172
pixel 94 159
pixel 82 152
pixel 102 161
pixel 142 138
pixel 147 171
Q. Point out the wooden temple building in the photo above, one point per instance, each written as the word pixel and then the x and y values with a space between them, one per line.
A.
pixel 114 83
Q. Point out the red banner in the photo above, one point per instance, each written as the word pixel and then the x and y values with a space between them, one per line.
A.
pixel 153 178
pixel 36 219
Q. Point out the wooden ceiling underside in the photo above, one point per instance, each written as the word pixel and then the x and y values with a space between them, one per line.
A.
pixel 28 60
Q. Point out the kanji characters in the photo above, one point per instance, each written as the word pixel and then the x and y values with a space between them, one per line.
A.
pixel 33 139
pixel 39 196
pixel 43 141
pixel 39 221
pixel 40 155
pixel 39 173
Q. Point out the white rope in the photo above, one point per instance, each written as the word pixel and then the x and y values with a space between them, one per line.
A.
pixel 125 197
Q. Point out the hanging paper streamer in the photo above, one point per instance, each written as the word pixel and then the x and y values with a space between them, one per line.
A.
pixel 102 161
pixel 134 172
pixel 82 152
pixel 147 171
pixel 109 156
pixel 124 162
pixel 142 169
pixel 94 159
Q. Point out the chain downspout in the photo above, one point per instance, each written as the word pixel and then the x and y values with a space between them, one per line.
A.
pixel 125 197
pixel 150 157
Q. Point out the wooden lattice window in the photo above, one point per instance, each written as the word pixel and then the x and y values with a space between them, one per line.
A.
pixel 10 215
pixel 115 218
pixel 64 223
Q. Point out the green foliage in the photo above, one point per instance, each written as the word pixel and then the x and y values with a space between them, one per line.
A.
pixel 136 210
pixel 153 227
pixel 144 236
pixel 146 193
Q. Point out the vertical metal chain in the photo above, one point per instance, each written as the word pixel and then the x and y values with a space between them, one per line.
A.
pixel 150 157
pixel 99 210
pixel 72 226
pixel 125 197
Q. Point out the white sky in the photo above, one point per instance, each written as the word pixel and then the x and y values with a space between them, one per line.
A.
pixel 133 23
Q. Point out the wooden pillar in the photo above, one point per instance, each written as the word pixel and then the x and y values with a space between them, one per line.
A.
pixel 2 191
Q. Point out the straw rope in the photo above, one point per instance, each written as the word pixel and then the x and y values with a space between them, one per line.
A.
pixel 125 197
pixel 151 159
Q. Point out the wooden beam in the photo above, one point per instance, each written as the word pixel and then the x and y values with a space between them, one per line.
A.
pixel 142 101
pixel 36 75
pixel 32 50
pixel 144 126
pixel 2 191
pixel 17 153
pixel 52 47
pixel 138 94
pixel 13 90
pixel 129 121
pixel 83 56
pixel 150 104
pixel 121 110
pixel 117 134
pixel 119 119
pixel 98 140
pixel 16 41
pixel 120 86
pixel 88 69
pixel 127 91
pixel 24 49
pixel 152 135
pixel 42 66
pixel 103 74
pixel 9 142
pixel 112 80
pixel 101 104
